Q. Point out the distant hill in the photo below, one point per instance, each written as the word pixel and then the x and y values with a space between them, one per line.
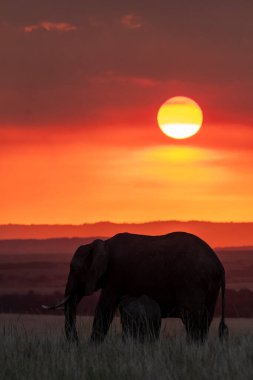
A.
pixel 42 246
pixel 216 234
pixel 67 246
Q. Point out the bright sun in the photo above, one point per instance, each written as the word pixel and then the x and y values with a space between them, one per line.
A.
pixel 180 117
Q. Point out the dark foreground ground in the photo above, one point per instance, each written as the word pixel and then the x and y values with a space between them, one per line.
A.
pixel 33 347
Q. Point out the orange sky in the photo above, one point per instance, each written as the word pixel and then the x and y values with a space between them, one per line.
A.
pixel 79 141
pixel 127 174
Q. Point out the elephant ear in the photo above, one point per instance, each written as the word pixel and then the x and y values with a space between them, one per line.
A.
pixel 98 266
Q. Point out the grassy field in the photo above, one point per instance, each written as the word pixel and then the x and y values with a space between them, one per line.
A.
pixel 33 347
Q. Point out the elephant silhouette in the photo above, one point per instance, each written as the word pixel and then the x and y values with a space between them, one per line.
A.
pixel 179 271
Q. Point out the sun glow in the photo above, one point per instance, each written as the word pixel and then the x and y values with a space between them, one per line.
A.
pixel 180 117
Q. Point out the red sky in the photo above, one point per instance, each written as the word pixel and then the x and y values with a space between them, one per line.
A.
pixel 81 84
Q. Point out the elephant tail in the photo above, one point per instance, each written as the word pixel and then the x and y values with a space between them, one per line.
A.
pixel 223 329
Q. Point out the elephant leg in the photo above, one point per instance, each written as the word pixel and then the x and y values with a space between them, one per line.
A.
pixel 141 328
pixel 127 327
pixel 146 331
pixel 156 327
pixel 125 331
pixel 149 331
pixel 70 318
pixel 197 324
pixel 104 314
pixel 133 327
pixel 200 321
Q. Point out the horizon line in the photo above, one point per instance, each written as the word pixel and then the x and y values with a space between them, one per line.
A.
pixel 128 223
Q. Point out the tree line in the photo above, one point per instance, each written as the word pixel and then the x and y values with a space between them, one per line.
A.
pixel 239 304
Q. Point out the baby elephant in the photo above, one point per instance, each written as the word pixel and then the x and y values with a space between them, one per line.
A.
pixel 140 318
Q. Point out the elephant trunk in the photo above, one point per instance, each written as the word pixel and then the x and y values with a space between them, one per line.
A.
pixel 70 319
pixel 70 307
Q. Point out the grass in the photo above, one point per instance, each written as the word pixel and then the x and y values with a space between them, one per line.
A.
pixel 32 353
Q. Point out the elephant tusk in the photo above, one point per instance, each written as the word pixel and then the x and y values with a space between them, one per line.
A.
pixel 57 306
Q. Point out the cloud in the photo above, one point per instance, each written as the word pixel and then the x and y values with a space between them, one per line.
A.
pixel 131 21
pixel 50 26
pixel 113 78
pixel 43 80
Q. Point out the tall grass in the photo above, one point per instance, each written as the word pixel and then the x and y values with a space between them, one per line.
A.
pixel 31 354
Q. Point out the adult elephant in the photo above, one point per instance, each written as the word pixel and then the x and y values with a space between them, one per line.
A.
pixel 178 270
pixel 140 318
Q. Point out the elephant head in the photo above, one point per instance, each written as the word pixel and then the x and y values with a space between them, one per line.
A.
pixel 87 268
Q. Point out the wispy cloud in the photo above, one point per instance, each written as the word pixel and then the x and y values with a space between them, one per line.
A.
pixel 111 77
pixel 50 26
pixel 131 21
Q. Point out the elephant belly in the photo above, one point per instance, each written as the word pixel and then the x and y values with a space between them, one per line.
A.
pixel 169 311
